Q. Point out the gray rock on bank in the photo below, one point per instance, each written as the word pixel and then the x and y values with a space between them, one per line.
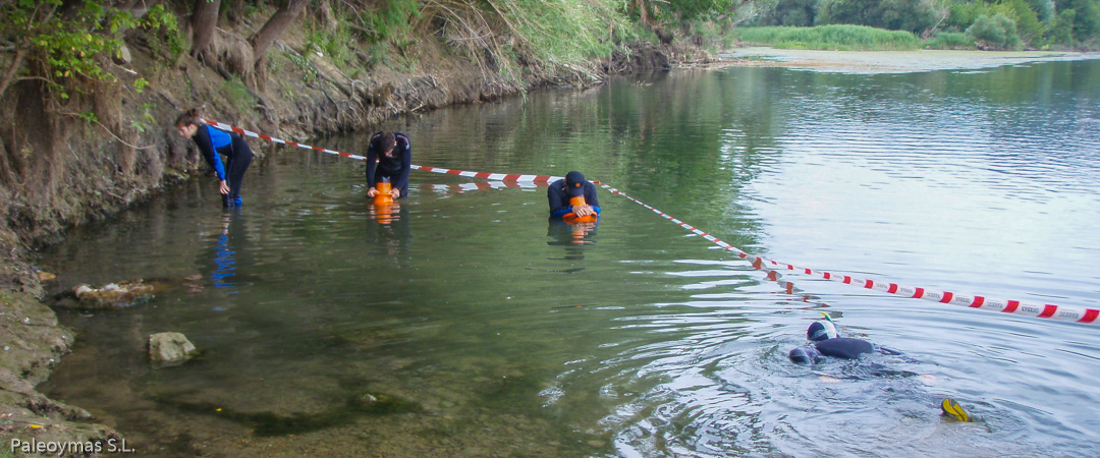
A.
pixel 170 349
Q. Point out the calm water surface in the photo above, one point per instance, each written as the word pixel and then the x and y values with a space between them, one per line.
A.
pixel 468 325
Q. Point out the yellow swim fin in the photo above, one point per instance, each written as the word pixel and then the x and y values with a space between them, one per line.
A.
pixel 952 408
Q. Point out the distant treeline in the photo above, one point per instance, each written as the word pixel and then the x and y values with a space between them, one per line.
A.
pixel 66 43
pixel 993 24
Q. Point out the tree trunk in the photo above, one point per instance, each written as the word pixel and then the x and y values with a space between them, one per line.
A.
pixel 9 76
pixel 204 19
pixel 275 27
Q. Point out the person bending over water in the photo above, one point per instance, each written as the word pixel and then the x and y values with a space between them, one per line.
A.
pixel 393 152
pixel 573 199
pixel 213 144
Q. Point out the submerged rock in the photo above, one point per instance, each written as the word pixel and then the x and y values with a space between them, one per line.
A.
pixel 170 349
pixel 122 294
pixel 115 295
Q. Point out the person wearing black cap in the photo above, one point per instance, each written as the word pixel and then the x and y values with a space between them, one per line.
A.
pixel 393 152
pixel 562 193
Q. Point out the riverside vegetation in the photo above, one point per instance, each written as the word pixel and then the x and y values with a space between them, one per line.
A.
pixel 938 24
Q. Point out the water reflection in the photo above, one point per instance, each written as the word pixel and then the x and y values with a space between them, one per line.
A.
pixel 225 253
pixel 571 236
pixel 665 345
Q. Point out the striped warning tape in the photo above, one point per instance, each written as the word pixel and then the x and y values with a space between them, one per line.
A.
pixel 463 173
pixel 481 186
pixel 1048 311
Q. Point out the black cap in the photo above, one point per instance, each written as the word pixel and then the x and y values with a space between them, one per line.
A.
pixel 574 183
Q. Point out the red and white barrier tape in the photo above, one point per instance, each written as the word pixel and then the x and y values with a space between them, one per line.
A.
pixel 481 186
pixel 1048 311
pixel 463 173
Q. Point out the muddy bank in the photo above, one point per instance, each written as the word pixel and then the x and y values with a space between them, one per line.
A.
pixel 71 162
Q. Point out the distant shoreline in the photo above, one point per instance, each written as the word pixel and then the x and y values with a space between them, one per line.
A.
pixel 895 61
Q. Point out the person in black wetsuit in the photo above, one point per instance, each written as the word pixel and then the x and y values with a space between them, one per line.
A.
pixel 213 144
pixel 573 185
pixel 827 342
pixel 393 152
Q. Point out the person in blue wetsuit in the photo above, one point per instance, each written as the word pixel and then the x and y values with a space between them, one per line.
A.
pixel 562 192
pixel 393 152
pixel 213 144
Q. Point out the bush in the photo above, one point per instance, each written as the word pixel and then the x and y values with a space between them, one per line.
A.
pixel 996 33
pixel 963 14
pixel 950 40
pixel 839 37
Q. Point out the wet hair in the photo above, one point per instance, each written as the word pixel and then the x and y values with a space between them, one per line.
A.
pixel 386 142
pixel 189 118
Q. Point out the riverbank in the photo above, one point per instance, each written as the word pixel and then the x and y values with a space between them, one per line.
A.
pixel 65 163
pixel 59 190
pixel 895 61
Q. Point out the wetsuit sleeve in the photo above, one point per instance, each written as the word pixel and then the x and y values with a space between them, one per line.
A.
pixel 804 355
pixel 206 147
pixel 590 196
pixel 555 197
pixel 372 158
pixel 406 163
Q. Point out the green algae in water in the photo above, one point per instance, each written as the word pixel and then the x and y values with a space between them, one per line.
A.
pixel 269 424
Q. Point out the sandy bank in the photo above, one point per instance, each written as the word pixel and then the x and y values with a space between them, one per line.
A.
pixel 895 61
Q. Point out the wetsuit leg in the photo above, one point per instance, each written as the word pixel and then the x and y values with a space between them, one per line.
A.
pixel 238 164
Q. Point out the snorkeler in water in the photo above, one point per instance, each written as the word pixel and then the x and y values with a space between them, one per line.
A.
pixel 826 342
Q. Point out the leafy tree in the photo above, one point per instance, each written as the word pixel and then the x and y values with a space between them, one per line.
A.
pixel 1027 21
pixel 964 13
pixel 1087 24
pixel 1086 19
pixel 1061 29
pixel 911 15
pixel 56 42
pixel 998 32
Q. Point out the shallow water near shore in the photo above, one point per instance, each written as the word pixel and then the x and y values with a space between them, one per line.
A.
pixel 466 324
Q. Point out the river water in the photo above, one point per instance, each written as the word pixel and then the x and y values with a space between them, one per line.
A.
pixel 466 324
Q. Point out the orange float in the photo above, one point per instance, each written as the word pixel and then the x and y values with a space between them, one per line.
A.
pixel 571 218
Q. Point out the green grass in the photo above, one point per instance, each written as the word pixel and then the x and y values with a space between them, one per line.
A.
pixel 950 41
pixel 832 37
